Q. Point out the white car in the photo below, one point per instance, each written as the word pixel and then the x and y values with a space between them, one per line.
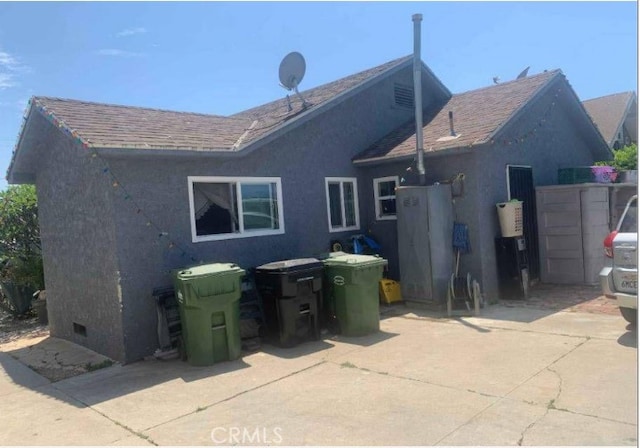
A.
pixel 621 279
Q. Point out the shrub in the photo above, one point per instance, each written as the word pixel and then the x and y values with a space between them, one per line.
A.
pixel 20 252
pixel 625 158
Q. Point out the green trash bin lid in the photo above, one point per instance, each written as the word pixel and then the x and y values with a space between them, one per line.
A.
pixel 208 270
pixel 353 260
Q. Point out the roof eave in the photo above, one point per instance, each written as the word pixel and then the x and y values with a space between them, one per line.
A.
pixel 596 131
pixel 428 154
pixel 627 107
pixel 444 88
pixel 11 176
pixel 140 152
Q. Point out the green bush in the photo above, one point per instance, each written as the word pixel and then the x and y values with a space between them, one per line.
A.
pixel 625 158
pixel 20 252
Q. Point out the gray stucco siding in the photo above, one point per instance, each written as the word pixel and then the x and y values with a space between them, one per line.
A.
pixel 554 145
pixel 560 142
pixel 302 159
pixel 78 243
pixel 438 168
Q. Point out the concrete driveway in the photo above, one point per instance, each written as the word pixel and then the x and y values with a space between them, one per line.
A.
pixel 514 376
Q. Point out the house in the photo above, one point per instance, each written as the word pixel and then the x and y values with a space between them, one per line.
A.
pixel 127 194
pixel 616 116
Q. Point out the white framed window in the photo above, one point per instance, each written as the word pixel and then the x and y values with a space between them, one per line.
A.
pixel 384 195
pixel 222 208
pixel 342 203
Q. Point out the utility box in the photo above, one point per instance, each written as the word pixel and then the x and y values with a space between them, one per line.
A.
pixel 425 229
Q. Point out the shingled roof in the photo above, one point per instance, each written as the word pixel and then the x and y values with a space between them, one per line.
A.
pixel 271 115
pixel 478 115
pixel 113 126
pixel 609 112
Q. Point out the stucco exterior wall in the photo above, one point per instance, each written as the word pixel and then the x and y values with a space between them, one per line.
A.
pixel 438 169
pixel 555 144
pixel 79 244
pixel 302 158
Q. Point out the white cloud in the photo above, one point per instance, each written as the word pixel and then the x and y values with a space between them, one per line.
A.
pixel 7 80
pixel 8 62
pixel 118 53
pixel 131 31
pixel 9 67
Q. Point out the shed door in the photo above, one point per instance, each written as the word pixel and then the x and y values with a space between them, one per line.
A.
pixel 595 227
pixel 560 225
pixel 520 182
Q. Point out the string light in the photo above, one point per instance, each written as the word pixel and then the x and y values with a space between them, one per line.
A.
pixel 127 196
pixel 115 182
pixel 533 131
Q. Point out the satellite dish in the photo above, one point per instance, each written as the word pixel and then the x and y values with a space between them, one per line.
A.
pixel 292 70
pixel 523 73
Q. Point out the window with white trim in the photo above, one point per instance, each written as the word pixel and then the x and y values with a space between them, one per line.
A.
pixel 234 207
pixel 384 192
pixel 342 203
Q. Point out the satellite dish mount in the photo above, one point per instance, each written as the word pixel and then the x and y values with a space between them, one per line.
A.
pixel 523 73
pixel 292 69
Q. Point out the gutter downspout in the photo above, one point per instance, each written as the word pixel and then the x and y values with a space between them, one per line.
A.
pixel 417 91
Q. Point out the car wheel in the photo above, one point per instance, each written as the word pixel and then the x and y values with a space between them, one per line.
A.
pixel 630 315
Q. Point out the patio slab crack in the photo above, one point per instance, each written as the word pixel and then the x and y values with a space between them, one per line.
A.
pixel 550 406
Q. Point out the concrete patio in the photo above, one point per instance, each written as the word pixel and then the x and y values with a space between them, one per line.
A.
pixel 514 376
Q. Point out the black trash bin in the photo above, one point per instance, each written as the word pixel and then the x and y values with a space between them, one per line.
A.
pixel 291 292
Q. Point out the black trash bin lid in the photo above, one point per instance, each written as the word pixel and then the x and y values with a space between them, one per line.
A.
pixel 291 265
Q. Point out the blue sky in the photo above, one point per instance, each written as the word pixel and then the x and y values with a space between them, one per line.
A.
pixel 221 58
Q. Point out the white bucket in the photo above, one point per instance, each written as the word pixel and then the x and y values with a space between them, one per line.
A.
pixel 510 215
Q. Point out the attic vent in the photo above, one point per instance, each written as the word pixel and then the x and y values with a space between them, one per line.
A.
pixel 403 96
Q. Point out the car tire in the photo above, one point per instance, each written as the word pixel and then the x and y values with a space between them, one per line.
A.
pixel 630 315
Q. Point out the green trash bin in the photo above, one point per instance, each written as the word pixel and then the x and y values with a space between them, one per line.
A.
pixel 209 301
pixel 353 292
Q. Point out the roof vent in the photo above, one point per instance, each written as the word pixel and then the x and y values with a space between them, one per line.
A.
pixel 403 96
pixel 452 133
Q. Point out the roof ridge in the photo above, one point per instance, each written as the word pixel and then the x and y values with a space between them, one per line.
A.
pixel 392 63
pixel 550 73
pixel 95 103
pixel 626 92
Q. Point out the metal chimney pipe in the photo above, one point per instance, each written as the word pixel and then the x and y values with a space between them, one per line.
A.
pixel 453 133
pixel 417 92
